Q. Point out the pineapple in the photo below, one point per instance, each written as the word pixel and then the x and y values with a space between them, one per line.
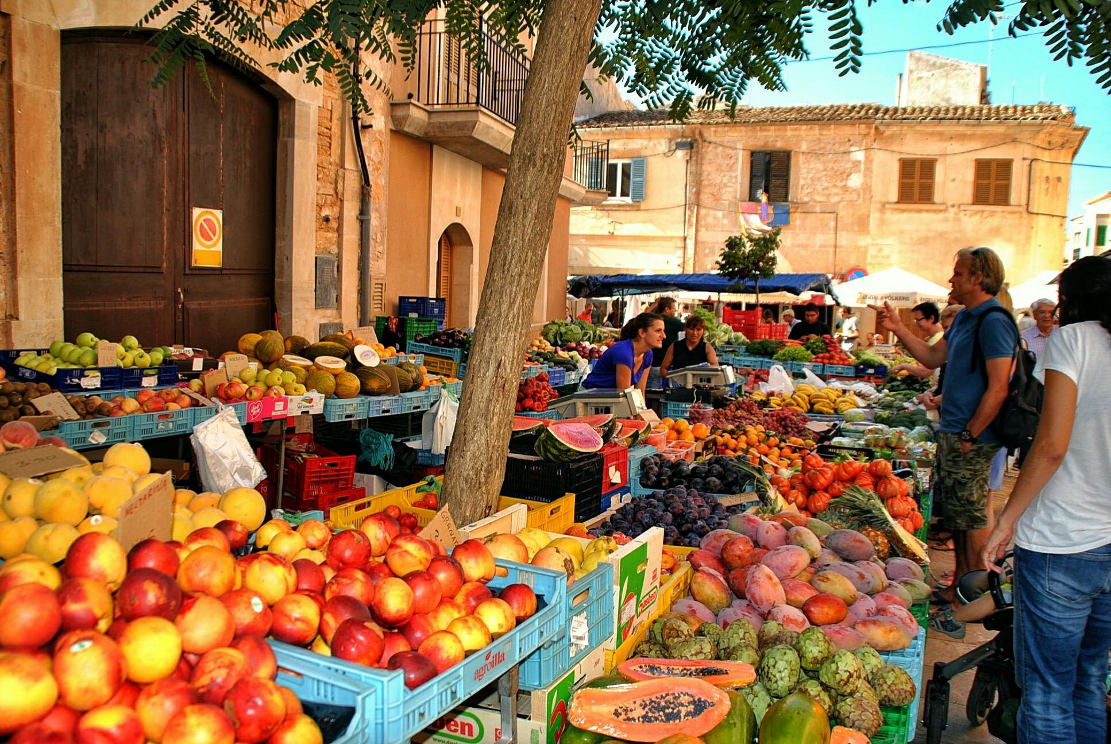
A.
pixel 879 540
pixel 867 510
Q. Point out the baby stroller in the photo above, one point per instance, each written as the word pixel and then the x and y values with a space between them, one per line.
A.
pixel 995 695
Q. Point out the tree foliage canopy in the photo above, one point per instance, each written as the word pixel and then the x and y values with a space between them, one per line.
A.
pixel 745 257
pixel 671 53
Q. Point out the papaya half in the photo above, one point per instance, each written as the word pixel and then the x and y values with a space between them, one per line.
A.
pixel 796 719
pixel 650 710
pixel 717 673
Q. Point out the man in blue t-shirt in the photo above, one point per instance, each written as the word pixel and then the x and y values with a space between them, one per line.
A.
pixel 970 399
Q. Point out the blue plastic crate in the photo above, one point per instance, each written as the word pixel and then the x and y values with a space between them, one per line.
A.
pixel 613 499
pixel 589 600
pixel 790 366
pixel 202 413
pixel 536 414
pixel 316 679
pixel 557 376
pixel 462 370
pixel 72 380
pixel 140 378
pixel 384 405
pixel 425 457
pixel 422 307
pixel 161 424
pixel 393 713
pixel 674 409
pixel 455 387
pixel 345 409
pixel 87 433
pixel 911 659
pixel 840 370
pixel 636 456
pixel 418 400
pixel 455 355
pixel 816 367
pixel 871 370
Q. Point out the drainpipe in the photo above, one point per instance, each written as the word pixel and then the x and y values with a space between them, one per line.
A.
pixel 364 212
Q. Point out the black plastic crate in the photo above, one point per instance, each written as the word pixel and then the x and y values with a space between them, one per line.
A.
pixel 539 480
pixel 402 426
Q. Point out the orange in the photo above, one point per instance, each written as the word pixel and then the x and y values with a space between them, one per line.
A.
pixel 686 436
pixel 667 422
pixel 672 435
pixel 682 425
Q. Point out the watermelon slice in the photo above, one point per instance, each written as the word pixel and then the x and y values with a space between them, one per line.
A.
pixel 604 423
pixel 633 431
pixel 526 425
pixel 562 441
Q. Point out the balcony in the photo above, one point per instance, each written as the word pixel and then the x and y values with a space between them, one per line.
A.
pixel 589 163
pixel 461 106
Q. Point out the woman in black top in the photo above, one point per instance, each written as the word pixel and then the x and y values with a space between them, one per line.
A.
pixel 690 350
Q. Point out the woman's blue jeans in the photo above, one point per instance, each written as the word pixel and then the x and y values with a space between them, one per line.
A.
pixel 1062 637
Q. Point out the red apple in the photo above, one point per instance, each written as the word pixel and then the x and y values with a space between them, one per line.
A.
pixel 448 573
pixel 96 556
pixel 418 668
pixel 208 536
pixel 85 604
pixel 30 615
pixel 471 594
pixel 337 609
pixel 256 708
pixel 348 549
pixel 234 531
pixel 351 582
pixel 393 643
pixel 521 598
pixel 310 576
pixel 418 628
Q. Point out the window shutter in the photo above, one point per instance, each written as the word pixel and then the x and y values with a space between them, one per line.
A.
pixel 1001 183
pixel 992 182
pixel 779 178
pixel 926 180
pixel 1101 235
pixel 443 282
pixel 636 185
pixel 757 168
pixel 916 180
pixel 594 179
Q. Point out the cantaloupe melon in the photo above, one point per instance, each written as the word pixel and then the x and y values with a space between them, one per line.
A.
pixel 322 382
pixel 347 385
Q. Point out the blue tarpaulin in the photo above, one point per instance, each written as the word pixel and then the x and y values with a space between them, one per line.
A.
pixel 615 285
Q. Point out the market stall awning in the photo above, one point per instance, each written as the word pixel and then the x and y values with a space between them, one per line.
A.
pixel 897 286
pixel 1032 290
pixel 615 285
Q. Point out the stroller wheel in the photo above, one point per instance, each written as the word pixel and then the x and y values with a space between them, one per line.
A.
pixel 981 698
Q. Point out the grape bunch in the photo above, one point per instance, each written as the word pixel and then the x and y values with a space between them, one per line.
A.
pixel 785 422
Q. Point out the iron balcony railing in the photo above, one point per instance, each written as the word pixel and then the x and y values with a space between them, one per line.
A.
pixel 444 76
pixel 591 161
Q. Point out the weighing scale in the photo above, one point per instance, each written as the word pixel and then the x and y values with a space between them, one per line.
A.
pixel 621 403
pixel 702 375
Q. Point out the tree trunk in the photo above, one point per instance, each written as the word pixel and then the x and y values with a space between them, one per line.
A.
pixel 476 461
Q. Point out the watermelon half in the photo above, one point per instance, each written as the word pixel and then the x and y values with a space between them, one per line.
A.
pixel 633 431
pixel 562 441
pixel 604 423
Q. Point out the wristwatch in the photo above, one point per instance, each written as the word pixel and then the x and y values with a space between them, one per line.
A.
pixel 966 436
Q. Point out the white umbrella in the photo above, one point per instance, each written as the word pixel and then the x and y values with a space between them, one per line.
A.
pixel 1034 289
pixel 900 288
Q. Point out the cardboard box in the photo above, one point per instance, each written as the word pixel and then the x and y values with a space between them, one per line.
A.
pixel 478 726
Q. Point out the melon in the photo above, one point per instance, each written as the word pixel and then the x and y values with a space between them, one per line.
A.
pixel 373 381
pixel 347 385
pixel 292 361
pixel 322 382
pixel 365 356
pixel 568 440
pixel 330 364
pixel 339 338
pixel 246 343
pixel 325 348
pixel 415 375
pixel 296 344
pixel 404 380
pixel 270 347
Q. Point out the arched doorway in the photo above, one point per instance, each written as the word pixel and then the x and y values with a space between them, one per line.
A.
pixel 136 161
pixel 455 280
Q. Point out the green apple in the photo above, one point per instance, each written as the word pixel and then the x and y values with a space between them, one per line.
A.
pixel 127 360
pixel 299 389
pixel 63 350
pixel 248 374
pixel 156 357
pixel 87 358
pixel 288 377
pixel 120 351
pixel 274 378
pixel 73 354
pixel 55 346
pixel 130 343
pixel 86 339
pixel 141 358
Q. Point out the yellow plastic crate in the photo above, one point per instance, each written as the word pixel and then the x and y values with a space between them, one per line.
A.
pixel 679 551
pixel 350 515
pixel 672 589
pixel 558 516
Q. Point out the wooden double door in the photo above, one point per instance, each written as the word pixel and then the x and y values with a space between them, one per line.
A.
pixel 136 161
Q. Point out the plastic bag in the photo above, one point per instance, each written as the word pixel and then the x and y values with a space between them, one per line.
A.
pixel 224 458
pixel 813 379
pixel 779 381
pixel 438 424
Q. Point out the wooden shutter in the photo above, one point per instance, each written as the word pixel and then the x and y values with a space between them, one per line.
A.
pixel 638 171
pixel 594 178
pixel 916 180
pixel 779 177
pixel 992 182
pixel 1101 235
pixel 443 270
pixel 757 168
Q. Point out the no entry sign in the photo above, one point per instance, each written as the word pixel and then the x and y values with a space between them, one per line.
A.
pixel 208 238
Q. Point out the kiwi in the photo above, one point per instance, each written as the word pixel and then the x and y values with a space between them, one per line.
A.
pixel 20 387
pixel 15 398
pixel 27 410
pixel 104 409
pixel 32 394
pixel 4 402
pixel 6 387
pixel 8 414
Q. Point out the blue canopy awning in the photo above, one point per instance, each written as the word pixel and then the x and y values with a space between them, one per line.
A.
pixel 616 285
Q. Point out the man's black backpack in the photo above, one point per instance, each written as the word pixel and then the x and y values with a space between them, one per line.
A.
pixel 1017 421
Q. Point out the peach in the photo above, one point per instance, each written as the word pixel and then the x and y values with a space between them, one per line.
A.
pixel 420 627
pixel 448 572
pixel 85 604
pixel 18 435
pixel 358 641
pixel 392 605
pixel 709 588
pixel 204 623
pixel 297 729
pixel 30 615
pixel 256 708
pixel 28 569
pixel 260 657
pixel 296 619
pixel 152 553
pixel 426 591
pixel 270 576
pixel 443 649
pixel 287 544
pixel 160 701
pixel 380 529
pixel 96 556
pixel 216 671
pixel 508 548
pixel 152 648
pixel 521 598
pixel 315 532
pixel 249 611
pixel 351 582
pixel 116 724
pixel 209 570
pixel 208 536
pixel 337 609
pixel 471 632
pixel 61 501
pixel 309 575
pixel 89 668
pixel 199 724
pixel 471 594
pixel 409 553
pixel 28 691
pixel 130 455
pixel 417 667
pixel 448 610
pixel 393 643
pixel 497 615
pixel 797 592
pixel 146 591
pixel 347 549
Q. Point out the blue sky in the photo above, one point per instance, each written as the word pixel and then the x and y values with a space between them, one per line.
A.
pixel 1021 71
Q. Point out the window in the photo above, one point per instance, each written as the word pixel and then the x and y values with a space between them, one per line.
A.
pixel 625 179
pixel 769 171
pixel 916 181
pixel 1101 235
pixel 992 182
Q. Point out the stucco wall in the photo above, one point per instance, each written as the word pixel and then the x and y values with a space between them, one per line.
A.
pixel 409 192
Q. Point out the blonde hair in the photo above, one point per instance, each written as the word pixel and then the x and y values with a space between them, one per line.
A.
pixel 985 262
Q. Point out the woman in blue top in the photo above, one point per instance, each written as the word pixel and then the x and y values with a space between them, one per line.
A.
pixel 626 363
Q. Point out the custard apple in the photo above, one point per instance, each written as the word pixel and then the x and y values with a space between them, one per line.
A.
pixel 813 689
pixel 894 686
pixel 843 672
pixel 779 670
pixel 859 712
pixel 870 658
pixel 813 647
pixel 758 699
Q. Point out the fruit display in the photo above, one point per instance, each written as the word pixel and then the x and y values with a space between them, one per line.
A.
pixel 808 398
pixel 146 400
pixel 82 352
pixel 446 338
pixel 765 347
pixel 534 393
pixel 572 555
pixel 793 353
pixel 16 397
pixel 21 435
pixel 685 514
pixel 829 351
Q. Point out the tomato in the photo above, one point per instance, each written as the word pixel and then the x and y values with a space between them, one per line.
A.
pixel 819 479
pixel 818 501
pixel 864 480
pixel 879 468
pixel 848 470
pixel 887 487
pixel 812 462
pixel 835 489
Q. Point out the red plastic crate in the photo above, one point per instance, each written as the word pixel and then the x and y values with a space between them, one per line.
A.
pixel 309 479
pixel 615 467
pixel 730 316
pixel 755 331
pixel 420 472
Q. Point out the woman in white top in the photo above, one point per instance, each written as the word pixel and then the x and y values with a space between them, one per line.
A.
pixel 1059 515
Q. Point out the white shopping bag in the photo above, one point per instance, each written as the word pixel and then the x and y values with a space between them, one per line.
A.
pixel 438 424
pixel 779 381
pixel 224 457
pixel 813 379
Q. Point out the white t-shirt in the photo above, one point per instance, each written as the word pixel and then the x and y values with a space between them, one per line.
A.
pixel 1073 512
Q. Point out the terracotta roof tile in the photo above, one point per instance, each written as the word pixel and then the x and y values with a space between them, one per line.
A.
pixel 836 112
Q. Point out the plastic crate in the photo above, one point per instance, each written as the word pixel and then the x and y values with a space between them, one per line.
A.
pixel 149 376
pixel 536 414
pixel 384 405
pixel 332 499
pixel 345 409
pixel 425 457
pixel 679 450
pixel 161 424
pixel 614 499
pixel 672 589
pixel 408 328
pixel 539 480
pixel 70 380
pixel 393 713
pixel 88 433
pixel 840 370
pixel 555 516
pixel 557 376
pixel 729 315
pixel 790 366
pixel 870 370
pixel 921 612
pixel 350 515
pixel 816 367
pixel 418 400
pixel 316 679
pixel 673 409
pixel 589 602
pixel 424 307
pixel 442 352
pixel 615 467
pixel 925 506
pixel 308 480
pixel 759 331
pixel 441 366
pixel 455 388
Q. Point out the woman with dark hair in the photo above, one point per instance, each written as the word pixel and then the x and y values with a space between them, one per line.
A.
pixel 1059 515
pixel 690 350
pixel 626 363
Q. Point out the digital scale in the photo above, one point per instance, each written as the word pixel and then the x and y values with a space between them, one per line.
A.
pixel 703 376
pixel 621 403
